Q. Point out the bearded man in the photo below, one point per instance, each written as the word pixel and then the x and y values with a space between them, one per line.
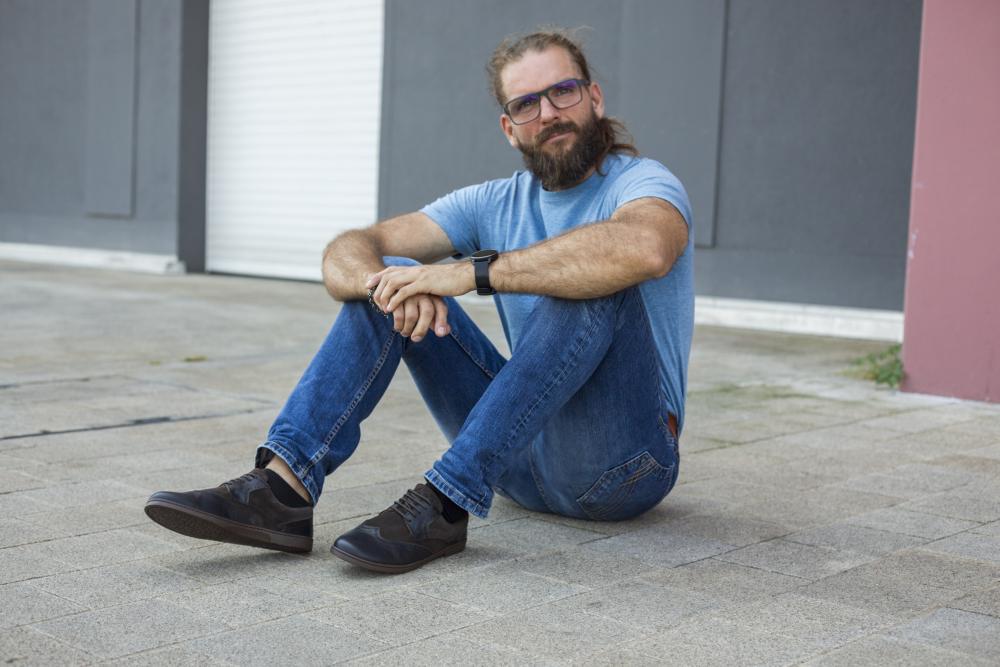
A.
pixel 589 255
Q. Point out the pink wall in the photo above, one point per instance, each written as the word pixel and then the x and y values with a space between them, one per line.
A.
pixel 951 343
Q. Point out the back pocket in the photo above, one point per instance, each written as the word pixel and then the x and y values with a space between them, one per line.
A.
pixel 628 490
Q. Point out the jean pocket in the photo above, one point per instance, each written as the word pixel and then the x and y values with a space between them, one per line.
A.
pixel 628 490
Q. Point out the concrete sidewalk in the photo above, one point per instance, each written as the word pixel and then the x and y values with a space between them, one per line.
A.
pixel 817 520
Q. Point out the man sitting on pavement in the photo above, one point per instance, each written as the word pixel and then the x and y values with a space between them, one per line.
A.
pixel 589 254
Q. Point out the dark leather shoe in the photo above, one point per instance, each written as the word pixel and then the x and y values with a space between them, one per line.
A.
pixel 241 511
pixel 402 538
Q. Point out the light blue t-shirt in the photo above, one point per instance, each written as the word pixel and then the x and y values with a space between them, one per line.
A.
pixel 511 213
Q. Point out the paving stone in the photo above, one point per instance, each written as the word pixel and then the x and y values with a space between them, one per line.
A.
pixel 172 656
pixel 219 563
pixel 958 505
pixel 14 480
pixel 129 628
pixel 400 617
pixel 889 652
pixel 992 528
pixel 780 630
pixel 911 481
pixel 291 640
pixel 447 649
pixel 90 518
pixel 28 562
pixel 551 633
pixel 858 539
pixel 815 507
pixel 658 546
pixel 239 603
pixel 983 602
pixel 907 522
pixel 114 584
pixel 727 581
pixel 499 588
pixel 640 603
pixel 584 569
pixel 112 546
pixel 23 604
pixel 27 646
pixel 957 630
pixel 905 583
pixel 84 493
pixel 529 535
pixel 797 560
pixel 971 545
pixel 735 530
pixel 18 504
pixel 14 532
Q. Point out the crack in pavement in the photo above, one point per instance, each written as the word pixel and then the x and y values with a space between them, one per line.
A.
pixel 143 421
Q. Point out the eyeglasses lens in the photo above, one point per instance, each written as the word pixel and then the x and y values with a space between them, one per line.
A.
pixel 528 107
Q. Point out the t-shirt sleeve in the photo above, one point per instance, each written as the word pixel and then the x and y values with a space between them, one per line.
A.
pixel 649 178
pixel 458 214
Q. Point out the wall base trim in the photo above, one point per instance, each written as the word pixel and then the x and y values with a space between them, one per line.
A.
pixel 92 258
pixel 864 323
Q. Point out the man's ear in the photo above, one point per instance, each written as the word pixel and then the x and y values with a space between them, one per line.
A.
pixel 597 99
pixel 508 129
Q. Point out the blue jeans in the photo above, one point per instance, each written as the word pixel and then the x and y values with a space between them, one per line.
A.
pixel 573 423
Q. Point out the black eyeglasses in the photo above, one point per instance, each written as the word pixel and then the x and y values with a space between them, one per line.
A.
pixel 562 95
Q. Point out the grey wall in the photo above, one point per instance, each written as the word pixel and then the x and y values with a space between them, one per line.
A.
pixel 789 121
pixel 102 124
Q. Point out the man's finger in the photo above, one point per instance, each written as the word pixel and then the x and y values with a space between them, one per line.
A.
pixel 441 327
pixel 426 318
pixel 411 312
pixel 404 293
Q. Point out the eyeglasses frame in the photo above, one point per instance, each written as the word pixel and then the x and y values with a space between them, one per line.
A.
pixel 583 83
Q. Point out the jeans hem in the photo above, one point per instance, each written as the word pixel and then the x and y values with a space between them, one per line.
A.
pixel 456 496
pixel 290 460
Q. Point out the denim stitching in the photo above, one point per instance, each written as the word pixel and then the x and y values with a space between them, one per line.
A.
pixel 303 474
pixel 468 352
pixel 436 479
pixel 322 452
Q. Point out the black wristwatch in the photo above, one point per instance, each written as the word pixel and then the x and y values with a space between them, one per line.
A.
pixel 481 260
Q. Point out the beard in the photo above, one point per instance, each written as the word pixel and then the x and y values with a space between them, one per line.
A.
pixel 562 167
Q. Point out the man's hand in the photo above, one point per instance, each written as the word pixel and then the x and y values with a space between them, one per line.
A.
pixel 418 314
pixel 395 285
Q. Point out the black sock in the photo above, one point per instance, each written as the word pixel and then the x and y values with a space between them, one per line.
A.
pixel 451 512
pixel 283 491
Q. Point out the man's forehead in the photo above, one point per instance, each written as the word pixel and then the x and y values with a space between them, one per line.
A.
pixel 536 70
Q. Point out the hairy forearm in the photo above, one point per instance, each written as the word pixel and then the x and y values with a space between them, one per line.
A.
pixel 348 261
pixel 588 262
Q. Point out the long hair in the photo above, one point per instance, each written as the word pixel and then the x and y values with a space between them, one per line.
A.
pixel 615 137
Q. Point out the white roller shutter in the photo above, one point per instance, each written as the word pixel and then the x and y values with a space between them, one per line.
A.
pixel 293 125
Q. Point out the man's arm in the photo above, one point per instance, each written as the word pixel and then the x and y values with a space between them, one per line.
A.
pixel 354 256
pixel 642 240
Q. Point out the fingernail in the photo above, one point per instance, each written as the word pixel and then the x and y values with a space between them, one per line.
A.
pixel 417 339
pixel 442 331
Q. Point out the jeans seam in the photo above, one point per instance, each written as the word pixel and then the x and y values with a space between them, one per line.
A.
pixel 549 386
pixel 358 396
pixel 468 352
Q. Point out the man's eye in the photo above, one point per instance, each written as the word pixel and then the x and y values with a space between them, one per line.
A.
pixel 524 103
pixel 563 88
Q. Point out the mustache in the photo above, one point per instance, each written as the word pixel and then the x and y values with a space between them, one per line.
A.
pixel 553 130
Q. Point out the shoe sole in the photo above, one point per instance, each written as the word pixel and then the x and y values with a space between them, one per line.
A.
pixel 385 568
pixel 205 526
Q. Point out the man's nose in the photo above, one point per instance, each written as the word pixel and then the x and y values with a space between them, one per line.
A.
pixel 548 112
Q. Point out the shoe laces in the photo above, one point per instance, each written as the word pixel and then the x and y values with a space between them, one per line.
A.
pixel 412 504
pixel 239 481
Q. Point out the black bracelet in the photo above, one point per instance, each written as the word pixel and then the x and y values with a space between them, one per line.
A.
pixel 371 300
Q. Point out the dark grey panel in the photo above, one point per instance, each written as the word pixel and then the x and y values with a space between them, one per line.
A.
pixel 671 82
pixel 53 166
pixel 193 135
pixel 111 30
pixel 817 144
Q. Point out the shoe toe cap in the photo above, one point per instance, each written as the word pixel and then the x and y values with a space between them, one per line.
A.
pixel 366 543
